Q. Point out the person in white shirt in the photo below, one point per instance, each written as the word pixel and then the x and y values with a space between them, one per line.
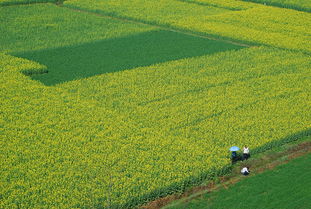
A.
pixel 246 154
pixel 245 171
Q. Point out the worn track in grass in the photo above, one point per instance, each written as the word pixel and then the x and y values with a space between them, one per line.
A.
pixel 257 165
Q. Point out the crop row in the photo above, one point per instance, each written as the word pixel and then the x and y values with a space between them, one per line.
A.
pixel 123 138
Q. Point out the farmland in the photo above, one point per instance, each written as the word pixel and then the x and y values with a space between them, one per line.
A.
pixel 19 2
pixel 110 104
pixel 271 189
pixel 282 28
pixel 109 55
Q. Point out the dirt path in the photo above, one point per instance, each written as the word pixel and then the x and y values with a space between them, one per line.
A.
pixel 257 165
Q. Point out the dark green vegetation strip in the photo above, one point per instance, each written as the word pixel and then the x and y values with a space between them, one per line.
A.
pixel 111 55
pixel 300 5
pixel 26 2
pixel 210 4
pixel 286 186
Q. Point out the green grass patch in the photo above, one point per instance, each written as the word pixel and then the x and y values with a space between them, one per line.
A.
pixel 41 26
pixel 111 55
pixel 18 2
pixel 286 187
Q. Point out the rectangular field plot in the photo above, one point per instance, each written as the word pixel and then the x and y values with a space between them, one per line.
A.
pixel 111 55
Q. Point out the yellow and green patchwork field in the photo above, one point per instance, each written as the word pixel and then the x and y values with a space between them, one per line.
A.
pixel 111 104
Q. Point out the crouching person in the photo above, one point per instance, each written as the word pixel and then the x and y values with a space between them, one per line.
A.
pixel 245 171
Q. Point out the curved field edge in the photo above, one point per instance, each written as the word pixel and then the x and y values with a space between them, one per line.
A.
pixel 123 116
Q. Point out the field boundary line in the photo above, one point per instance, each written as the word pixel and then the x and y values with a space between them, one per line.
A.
pixel 210 5
pixel 225 39
pixel 12 4
pixel 279 5
pixel 265 162
pixel 176 30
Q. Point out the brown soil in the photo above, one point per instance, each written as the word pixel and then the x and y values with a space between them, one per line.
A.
pixel 258 165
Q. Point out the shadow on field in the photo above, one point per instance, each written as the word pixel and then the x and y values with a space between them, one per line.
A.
pixel 112 55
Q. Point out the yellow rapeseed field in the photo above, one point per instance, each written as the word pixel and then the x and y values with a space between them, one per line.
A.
pixel 118 140
pixel 127 137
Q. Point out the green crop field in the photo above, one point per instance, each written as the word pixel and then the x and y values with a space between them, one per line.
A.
pixel 111 104
pixel 21 2
pixel 285 187
pixel 143 49
pixel 257 24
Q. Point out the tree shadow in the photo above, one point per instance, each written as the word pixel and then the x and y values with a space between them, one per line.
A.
pixel 112 55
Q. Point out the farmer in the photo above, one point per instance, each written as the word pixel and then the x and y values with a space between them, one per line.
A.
pixel 246 154
pixel 245 171
pixel 234 157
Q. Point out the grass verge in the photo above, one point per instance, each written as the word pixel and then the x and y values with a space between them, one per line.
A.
pixel 223 187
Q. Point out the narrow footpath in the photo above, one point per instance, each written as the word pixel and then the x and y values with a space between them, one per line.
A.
pixel 258 164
